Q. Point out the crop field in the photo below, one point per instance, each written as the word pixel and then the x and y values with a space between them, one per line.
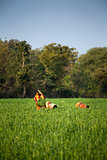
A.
pixel 65 133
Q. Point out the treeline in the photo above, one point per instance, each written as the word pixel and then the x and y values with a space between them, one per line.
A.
pixel 56 70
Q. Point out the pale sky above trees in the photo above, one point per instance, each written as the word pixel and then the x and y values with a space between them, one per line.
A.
pixel 76 23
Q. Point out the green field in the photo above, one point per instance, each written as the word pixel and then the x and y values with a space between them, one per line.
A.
pixel 64 133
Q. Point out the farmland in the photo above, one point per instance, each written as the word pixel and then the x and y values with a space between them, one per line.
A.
pixel 63 133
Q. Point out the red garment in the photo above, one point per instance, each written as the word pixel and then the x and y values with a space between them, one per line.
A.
pixel 82 105
pixel 38 96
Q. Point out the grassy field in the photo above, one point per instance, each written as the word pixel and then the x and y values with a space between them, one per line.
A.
pixel 64 133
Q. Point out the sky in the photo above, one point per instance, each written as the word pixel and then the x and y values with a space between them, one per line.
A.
pixel 81 24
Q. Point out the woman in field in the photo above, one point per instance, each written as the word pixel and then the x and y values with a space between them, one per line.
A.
pixel 41 103
pixel 81 105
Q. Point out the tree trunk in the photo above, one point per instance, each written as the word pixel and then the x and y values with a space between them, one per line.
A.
pixel 24 86
pixel 24 91
pixel 23 61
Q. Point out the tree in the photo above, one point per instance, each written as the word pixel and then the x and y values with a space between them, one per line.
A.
pixel 100 77
pixel 82 83
pixel 37 73
pixel 23 74
pixel 56 59
pixel 93 64
pixel 4 63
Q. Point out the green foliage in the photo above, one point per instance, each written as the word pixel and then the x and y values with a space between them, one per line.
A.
pixel 23 75
pixel 95 64
pixel 88 76
pixel 8 69
pixel 63 133
pixel 41 102
pixel 56 70
pixel 55 57
pixel 94 59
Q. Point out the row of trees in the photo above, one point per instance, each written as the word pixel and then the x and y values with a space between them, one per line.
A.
pixel 56 70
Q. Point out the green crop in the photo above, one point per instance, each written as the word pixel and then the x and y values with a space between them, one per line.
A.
pixel 41 102
pixel 66 133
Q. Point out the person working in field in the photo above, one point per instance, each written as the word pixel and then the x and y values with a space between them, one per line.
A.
pixel 41 102
pixel 81 105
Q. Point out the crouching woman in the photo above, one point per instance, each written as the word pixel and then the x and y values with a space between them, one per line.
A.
pixel 41 102
pixel 81 105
